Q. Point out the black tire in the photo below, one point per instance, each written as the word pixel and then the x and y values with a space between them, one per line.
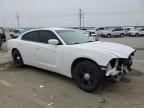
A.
pixel 136 35
pixel 108 36
pixel 11 36
pixel 88 76
pixel 122 35
pixel 17 58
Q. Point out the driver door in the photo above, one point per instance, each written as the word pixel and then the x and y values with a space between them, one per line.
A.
pixel 49 56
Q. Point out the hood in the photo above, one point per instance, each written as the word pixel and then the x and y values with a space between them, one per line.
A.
pixel 119 50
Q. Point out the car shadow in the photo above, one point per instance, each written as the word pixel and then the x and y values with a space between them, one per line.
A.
pixel 107 84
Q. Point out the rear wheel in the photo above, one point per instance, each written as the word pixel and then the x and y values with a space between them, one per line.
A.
pixel 108 35
pixel 136 35
pixel 88 76
pixel 17 58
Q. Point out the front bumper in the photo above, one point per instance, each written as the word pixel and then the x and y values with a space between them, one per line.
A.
pixel 118 67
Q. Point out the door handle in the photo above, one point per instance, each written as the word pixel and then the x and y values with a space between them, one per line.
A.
pixel 20 44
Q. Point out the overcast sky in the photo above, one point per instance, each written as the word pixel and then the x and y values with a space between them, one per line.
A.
pixel 62 13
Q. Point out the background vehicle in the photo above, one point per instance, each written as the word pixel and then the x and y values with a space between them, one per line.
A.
pixel 91 34
pixel 100 31
pixel 71 53
pixel 118 32
pixel 2 35
pixel 84 32
pixel 136 32
pixel 15 33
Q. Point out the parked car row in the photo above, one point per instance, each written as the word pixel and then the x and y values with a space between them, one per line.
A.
pixel 96 32
pixel 117 32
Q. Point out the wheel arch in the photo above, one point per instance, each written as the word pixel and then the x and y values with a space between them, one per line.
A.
pixel 122 34
pixel 78 60
pixel 14 50
pixel 108 33
pixel 136 33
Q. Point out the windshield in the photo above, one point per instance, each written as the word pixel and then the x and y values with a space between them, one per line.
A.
pixel 73 37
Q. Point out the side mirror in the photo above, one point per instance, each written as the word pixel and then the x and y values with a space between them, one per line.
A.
pixel 53 42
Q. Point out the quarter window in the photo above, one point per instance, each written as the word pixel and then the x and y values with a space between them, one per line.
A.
pixel 31 36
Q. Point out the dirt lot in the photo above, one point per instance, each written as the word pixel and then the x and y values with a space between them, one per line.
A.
pixel 31 87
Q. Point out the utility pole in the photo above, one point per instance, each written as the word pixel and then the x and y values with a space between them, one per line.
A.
pixel 17 17
pixel 83 19
pixel 30 25
pixel 81 16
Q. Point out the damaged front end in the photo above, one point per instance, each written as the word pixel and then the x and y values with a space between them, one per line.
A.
pixel 118 67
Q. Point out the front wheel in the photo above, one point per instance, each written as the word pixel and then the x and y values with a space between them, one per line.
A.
pixel 108 35
pixel 136 35
pixel 17 58
pixel 88 76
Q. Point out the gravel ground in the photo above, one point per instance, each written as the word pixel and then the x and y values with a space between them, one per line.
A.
pixel 30 87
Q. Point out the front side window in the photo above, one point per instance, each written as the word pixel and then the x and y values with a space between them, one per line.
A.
pixel 100 29
pixel 73 37
pixel 114 30
pixel 31 36
pixel 44 36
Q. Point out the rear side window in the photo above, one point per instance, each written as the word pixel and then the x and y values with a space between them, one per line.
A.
pixel 31 36
pixel 44 36
pixel 100 29
pixel 118 29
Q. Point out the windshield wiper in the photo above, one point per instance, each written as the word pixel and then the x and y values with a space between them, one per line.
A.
pixel 90 41
pixel 75 43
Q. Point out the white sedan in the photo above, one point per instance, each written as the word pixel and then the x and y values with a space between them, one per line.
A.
pixel 71 53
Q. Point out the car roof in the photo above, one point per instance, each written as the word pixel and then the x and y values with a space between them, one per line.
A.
pixel 52 29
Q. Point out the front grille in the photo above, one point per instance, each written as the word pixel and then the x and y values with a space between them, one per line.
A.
pixel 121 62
